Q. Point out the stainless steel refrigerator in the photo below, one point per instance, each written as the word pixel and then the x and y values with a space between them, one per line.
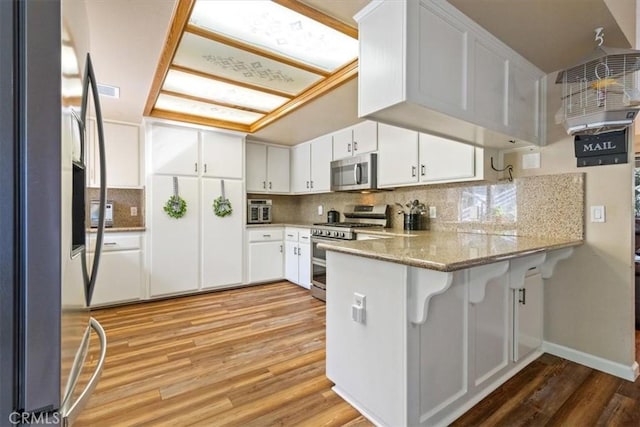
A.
pixel 47 92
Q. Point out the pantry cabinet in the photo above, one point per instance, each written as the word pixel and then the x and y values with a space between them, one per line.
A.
pixel 199 250
pixel 444 74
pixel 122 154
pixel 408 157
pixel 310 166
pixel 297 258
pixel 265 253
pixel 358 139
pixel 267 168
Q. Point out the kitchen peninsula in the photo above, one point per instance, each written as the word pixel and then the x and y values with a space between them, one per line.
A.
pixel 422 327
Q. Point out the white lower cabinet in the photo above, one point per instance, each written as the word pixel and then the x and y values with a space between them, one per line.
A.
pixel 297 259
pixel 265 253
pixel 528 312
pixel 120 270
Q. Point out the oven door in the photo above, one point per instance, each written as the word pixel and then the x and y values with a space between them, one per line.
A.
pixel 318 269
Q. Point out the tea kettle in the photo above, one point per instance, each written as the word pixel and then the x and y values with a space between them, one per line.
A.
pixel 333 216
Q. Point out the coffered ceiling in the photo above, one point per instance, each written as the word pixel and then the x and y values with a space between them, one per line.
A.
pixel 128 38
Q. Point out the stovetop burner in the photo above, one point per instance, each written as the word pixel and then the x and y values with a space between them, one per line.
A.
pixel 347 224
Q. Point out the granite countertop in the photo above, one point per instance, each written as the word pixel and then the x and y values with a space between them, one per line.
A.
pixel 279 224
pixel 446 251
pixel 117 229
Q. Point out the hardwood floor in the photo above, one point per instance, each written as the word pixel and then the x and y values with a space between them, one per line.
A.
pixel 256 357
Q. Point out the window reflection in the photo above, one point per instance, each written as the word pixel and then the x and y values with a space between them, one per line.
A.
pixel 489 203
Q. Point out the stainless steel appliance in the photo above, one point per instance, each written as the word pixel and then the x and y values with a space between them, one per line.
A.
pixel 259 211
pixel 95 213
pixel 355 173
pixel 359 216
pixel 333 216
pixel 46 82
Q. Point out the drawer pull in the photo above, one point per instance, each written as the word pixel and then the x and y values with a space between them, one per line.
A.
pixel 110 243
pixel 266 235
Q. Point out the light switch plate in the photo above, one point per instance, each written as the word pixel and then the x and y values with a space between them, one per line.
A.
pixel 432 211
pixel 598 214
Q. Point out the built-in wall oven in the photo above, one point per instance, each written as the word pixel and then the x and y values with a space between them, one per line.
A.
pixel 360 216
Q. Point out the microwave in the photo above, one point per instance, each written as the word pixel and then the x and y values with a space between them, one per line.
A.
pixel 259 211
pixel 355 173
pixel 95 212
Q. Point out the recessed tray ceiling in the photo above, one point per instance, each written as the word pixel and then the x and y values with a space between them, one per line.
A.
pixel 243 64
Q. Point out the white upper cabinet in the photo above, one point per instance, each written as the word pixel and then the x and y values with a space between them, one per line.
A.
pixel 442 159
pixel 174 150
pixel 321 156
pixel 357 139
pixel 122 154
pixel 408 157
pixel 267 168
pixel 301 168
pixel 221 155
pixel 446 75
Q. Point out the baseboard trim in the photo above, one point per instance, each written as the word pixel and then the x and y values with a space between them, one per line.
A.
pixel 629 373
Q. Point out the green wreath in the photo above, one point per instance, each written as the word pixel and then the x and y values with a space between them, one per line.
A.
pixel 175 207
pixel 222 207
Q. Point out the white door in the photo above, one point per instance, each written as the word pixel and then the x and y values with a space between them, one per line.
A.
pixel 278 169
pixel 265 261
pixel 304 265
pixel 397 156
pixel 444 159
pixel 528 308
pixel 221 155
pixel 321 156
pixel 291 261
pixel 174 150
pixel 365 137
pixel 174 242
pixel 343 143
pixel 300 162
pixel 256 165
pixel 221 236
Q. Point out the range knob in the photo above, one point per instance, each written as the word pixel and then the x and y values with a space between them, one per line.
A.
pixel 342 234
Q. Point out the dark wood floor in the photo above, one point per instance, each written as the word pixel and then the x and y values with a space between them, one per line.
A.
pixel 256 357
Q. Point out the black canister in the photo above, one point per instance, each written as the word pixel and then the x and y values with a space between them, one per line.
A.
pixel 412 221
pixel 333 216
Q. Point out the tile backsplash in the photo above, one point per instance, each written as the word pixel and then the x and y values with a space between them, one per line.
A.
pixel 123 200
pixel 532 206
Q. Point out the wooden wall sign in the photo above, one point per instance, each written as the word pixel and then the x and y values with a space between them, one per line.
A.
pixel 604 149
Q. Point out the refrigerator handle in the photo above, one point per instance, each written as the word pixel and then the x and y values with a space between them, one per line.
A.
pixel 90 81
pixel 71 411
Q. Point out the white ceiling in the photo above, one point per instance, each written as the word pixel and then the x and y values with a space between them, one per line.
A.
pixel 127 37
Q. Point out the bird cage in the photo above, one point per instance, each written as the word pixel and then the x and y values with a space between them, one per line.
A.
pixel 602 93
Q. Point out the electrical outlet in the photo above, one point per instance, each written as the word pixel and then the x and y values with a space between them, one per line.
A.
pixel 432 211
pixel 134 211
pixel 320 209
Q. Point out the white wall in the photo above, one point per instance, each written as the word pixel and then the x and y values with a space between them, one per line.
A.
pixel 589 302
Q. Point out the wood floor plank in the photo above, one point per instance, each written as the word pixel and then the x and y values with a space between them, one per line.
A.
pixel 256 357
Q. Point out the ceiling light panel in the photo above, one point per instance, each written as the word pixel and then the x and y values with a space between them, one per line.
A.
pixel 277 29
pixel 193 85
pixel 208 56
pixel 202 109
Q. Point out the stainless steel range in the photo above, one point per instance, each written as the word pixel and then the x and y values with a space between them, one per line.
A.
pixel 359 216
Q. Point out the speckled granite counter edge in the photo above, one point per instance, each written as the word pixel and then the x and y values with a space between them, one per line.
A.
pixel 446 267
pixel 118 229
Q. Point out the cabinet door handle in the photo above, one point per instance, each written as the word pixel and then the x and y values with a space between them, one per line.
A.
pixel 195 166
pixel 205 168
pixel 264 185
pixel 413 171
pixel 355 145
pixel 348 147
pixel 295 250
pixel 270 186
pixel 311 184
pixel 423 170
pixel 307 184
pixel 523 296
pixel 280 248
pixel 299 251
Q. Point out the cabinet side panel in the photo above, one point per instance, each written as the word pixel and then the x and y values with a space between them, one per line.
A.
pixel 382 58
